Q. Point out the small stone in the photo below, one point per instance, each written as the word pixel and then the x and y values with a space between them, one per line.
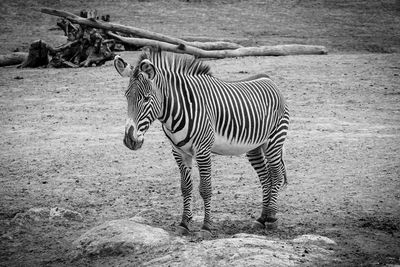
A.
pixel 314 239
pixel 65 214
pixel 31 216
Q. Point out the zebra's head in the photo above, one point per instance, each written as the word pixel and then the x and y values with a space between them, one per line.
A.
pixel 142 97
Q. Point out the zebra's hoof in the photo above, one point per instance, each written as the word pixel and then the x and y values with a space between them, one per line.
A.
pixel 204 234
pixel 257 225
pixel 180 230
pixel 271 225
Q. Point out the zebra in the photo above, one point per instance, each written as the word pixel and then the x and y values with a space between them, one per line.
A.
pixel 200 115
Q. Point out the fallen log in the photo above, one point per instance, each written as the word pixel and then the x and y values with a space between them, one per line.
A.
pixel 140 42
pixel 113 27
pixel 85 47
pixel 217 45
pixel 177 45
pixel 190 38
pixel 73 54
pixel 277 50
pixel 15 58
pixel 157 44
pixel 274 50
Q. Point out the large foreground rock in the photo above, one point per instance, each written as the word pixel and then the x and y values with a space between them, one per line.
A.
pixel 251 250
pixel 122 237
pixel 131 238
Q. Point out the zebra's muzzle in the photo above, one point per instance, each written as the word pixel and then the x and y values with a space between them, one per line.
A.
pixel 132 143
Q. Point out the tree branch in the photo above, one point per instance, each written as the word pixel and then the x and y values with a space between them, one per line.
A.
pixel 113 27
pixel 277 50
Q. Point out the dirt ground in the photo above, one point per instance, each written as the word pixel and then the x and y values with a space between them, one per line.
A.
pixel 62 133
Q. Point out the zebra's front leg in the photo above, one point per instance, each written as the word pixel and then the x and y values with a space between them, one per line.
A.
pixel 258 162
pixel 204 165
pixel 184 162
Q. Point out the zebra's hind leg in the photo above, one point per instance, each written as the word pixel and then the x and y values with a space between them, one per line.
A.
pixel 277 172
pixel 184 162
pixel 258 162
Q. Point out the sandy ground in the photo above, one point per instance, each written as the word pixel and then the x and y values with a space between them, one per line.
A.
pixel 61 142
pixel 62 130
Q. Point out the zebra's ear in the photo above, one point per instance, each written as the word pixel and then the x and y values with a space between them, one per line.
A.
pixel 124 69
pixel 147 67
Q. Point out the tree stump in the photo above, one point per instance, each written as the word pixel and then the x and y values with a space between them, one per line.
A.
pixel 38 55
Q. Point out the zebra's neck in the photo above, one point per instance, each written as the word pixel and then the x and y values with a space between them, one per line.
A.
pixel 177 94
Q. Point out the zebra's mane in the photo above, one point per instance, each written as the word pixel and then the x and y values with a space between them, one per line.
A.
pixel 177 63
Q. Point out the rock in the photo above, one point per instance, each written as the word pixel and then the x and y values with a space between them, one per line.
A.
pixel 35 215
pixel 246 250
pixel 139 219
pixel 65 214
pixel 132 238
pixel 314 239
pixel 31 216
pixel 122 237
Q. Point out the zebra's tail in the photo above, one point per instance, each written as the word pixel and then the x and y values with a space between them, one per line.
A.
pixel 285 181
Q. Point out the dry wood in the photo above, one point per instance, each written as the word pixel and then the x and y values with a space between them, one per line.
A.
pixel 73 54
pixel 219 45
pixel 168 43
pixel 65 46
pixel 139 42
pixel 113 27
pixel 278 50
pixel 86 46
pixel 38 55
pixel 274 50
pixel 157 44
pixel 13 59
pixel 190 38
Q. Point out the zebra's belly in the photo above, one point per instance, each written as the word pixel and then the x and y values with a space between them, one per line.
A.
pixel 224 146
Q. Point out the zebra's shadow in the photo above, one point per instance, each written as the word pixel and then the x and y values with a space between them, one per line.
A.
pixel 226 228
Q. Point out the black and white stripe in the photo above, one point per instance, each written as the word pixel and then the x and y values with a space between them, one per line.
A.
pixel 202 114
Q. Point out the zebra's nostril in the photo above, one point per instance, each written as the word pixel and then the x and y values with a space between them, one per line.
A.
pixel 130 132
pixel 131 141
